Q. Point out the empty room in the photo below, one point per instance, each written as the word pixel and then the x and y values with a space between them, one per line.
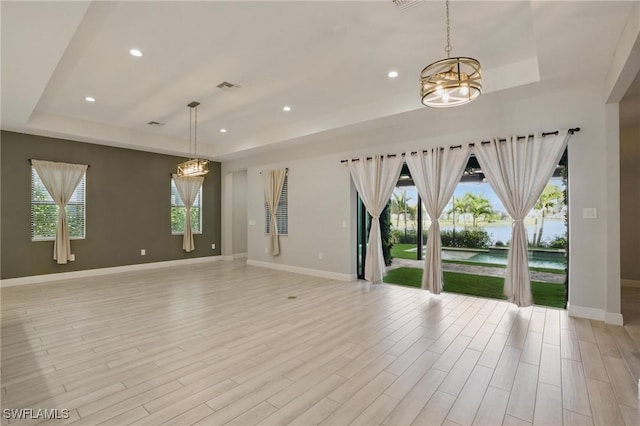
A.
pixel 381 212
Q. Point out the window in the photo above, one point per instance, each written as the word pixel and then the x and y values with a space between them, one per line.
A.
pixel 44 211
pixel 282 214
pixel 178 212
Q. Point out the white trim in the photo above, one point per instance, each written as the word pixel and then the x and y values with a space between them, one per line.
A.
pixel 594 314
pixel 101 271
pixel 235 256
pixel 630 283
pixel 305 271
pixel 582 312
pixel 615 319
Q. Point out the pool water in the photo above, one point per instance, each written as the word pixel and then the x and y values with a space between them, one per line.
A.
pixel 502 260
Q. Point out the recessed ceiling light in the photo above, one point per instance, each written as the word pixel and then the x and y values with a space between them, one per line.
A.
pixel 286 108
pixel 392 74
pixel 223 130
pixel 90 99
pixel 135 52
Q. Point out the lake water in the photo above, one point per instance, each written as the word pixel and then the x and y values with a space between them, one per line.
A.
pixel 552 229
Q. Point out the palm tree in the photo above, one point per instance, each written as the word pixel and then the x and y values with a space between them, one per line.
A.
pixel 411 213
pixel 400 205
pixel 457 210
pixel 550 197
pixel 395 210
pixel 477 206
pixel 452 212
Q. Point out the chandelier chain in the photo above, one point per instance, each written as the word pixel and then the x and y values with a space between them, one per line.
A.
pixel 190 129
pixel 448 46
pixel 194 166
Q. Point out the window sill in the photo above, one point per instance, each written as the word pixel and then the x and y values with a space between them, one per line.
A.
pixel 44 240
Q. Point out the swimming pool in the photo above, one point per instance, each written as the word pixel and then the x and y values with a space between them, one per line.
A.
pixel 502 260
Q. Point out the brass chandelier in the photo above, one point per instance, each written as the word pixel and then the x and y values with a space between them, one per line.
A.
pixel 194 166
pixel 452 81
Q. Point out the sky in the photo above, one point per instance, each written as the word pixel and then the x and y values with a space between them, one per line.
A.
pixel 476 188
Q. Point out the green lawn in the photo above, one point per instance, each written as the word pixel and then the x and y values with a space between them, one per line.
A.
pixel 544 294
pixel 399 251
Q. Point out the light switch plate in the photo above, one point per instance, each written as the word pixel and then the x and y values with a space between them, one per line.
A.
pixel 590 213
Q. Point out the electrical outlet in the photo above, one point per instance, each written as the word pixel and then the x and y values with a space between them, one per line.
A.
pixel 344 223
pixel 213 246
pixel 266 249
pixel 143 252
pixel 252 222
pixel 72 257
pixel 320 255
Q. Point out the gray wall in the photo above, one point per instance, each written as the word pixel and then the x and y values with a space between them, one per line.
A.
pixel 321 216
pixel 239 212
pixel 629 203
pixel 127 199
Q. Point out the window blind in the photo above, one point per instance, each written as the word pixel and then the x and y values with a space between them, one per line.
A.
pixel 282 214
pixel 44 211
pixel 178 212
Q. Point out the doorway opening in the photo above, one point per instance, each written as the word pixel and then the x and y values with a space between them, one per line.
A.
pixel 476 234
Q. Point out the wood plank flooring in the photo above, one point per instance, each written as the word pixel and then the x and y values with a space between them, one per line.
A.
pixel 222 343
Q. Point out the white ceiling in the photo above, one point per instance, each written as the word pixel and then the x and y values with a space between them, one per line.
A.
pixel 327 59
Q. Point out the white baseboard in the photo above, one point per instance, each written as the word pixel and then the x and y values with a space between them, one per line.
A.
pixel 305 271
pixel 630 283
pixel 615 319
pixel 594 314
pixel 235 256
pixel 35 279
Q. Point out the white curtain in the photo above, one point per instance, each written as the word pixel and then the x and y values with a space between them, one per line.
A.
pixel 518 171
pixel 273 183
pixel 436 172
pixel 375 179
pixel 61 180
pixel 188 187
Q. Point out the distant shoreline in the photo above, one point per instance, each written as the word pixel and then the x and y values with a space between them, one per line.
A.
pixel 412 224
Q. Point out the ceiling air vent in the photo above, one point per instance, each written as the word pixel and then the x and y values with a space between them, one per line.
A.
pixel 155 123
pixel 407 4
pixel 226 85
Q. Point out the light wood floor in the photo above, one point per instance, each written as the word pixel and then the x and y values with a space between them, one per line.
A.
pixel 223 343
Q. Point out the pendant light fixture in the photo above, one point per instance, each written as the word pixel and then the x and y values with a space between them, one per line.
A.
pixel 451 81
pixel 194 166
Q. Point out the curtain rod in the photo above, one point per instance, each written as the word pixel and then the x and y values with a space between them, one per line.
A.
pixel 571 131
pixel 29 160
pixel 370 158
